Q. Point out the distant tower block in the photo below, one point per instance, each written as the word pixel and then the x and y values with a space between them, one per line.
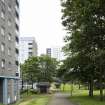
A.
pixel 28 48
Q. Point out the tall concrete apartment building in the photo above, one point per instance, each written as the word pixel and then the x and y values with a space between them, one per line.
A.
pixel 9 31
pixel 55 52
pixel 27 48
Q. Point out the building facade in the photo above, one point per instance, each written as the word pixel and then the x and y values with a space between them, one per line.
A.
pixel 55 52
pixel 48 52
pixel 9 66
pixel 27 48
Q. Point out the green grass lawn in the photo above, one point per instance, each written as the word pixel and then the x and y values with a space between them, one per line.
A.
pixel 67 87
pixel 42 100
pixel 85 100
pixel 34 99
pixel 80 97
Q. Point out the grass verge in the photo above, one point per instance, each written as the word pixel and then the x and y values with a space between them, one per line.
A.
pixel 80 97
pixel 34 99
pixel 42 100
pixel 86 100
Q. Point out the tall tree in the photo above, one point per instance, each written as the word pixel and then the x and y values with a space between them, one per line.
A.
pixel 85 22
pixel 30 70
pixel 36 69
pixel 48 67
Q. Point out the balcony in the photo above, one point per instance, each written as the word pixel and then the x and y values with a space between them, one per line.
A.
pixel 16 50
pixel 17 74
pixel 17 63
pixel 17 32
pixel 17 27
pixel 17 57
pixel 17 3
pixel 16 21
pixel 16 45
pixel 17 14
pixel 17 39
pixel 16 8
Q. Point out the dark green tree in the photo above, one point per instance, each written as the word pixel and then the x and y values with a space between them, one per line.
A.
pixel 30 70
pixel 85 22
pixel 36 69
pixel 48 68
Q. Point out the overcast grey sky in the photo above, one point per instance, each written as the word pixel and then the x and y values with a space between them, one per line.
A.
pixel 42 19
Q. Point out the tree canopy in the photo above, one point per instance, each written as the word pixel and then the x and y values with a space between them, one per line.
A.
pixel 36 69
pixel 84 21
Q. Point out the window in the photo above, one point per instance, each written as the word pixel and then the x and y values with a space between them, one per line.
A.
pixel 2 14
pixel 17 51
pixel 29 43
pixel 3 63
pixel 2 31
pixel 17 74
pixel 17 14
pixel 9 65
pixel 17 3
pixel 2 47
pixel 17 27
pixel 30 48
pixel 17 39
pixel 2 1
pixel 9 7
pixel 30 54
pixel 9 51
pixel 9 36
pixel 9 22
pixel 17 63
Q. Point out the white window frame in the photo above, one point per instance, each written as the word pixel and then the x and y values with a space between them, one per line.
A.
pixel 9 7
pixel 9 22
pixel 3 63
pixel 2 14
pixel 2 47
pixel 9 36
pixel 9 65
pixel 2 31
pixel 9 51
pixel 3 1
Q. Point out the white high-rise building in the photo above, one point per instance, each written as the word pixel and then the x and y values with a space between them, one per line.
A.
pixel 28 48
pixel 55 52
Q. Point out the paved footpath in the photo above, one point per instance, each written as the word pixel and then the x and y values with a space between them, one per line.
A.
pixel 60 99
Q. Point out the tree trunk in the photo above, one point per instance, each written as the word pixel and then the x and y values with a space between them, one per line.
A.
pixel 22 84
pixel 72 88
pixel 101 82
pixel 32 85
pixel 31 82
pixel 101 89
pixel 63 86
pixel 91 87
pixel 27 88
pixel 88 86
pixel 79 85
